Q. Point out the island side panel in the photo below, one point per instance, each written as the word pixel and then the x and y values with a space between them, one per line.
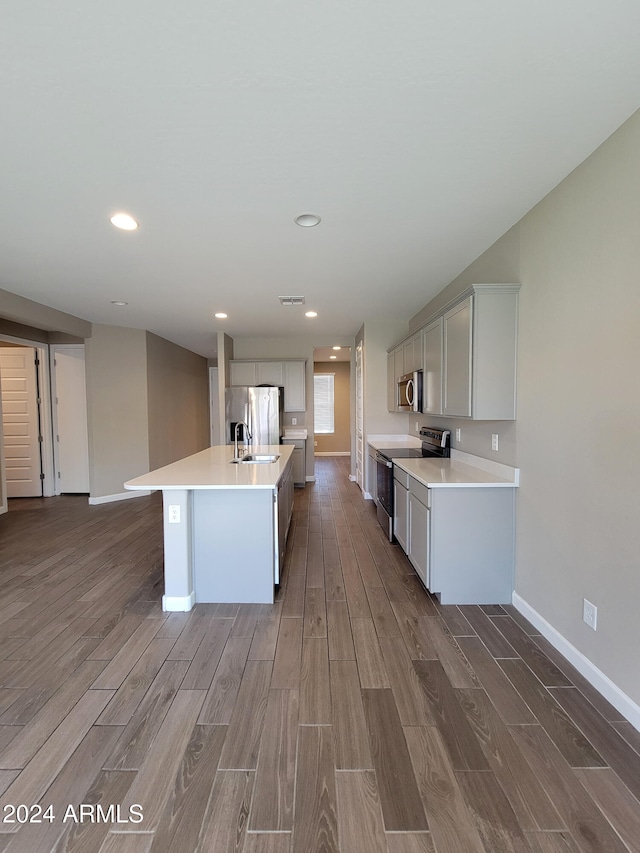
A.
pixel 178 573
pixel 233 545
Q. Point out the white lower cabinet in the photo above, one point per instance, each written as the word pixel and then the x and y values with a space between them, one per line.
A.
pixel 400 507
pixel 418 544
pixel 459 540
pixel 299 460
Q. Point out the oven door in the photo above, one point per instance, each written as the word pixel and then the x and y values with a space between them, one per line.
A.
pixel 384 482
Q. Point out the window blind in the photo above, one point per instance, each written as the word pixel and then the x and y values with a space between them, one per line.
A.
pixel 323 384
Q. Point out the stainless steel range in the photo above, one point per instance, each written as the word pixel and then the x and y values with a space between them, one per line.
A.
pixel 435 444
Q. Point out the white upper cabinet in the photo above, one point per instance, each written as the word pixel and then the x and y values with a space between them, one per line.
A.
pixel 391 383
pixel 243 373
pixel 480 347
pixel 287 374
pixel 295 386
pixel 412 354
pixel 468 355
pixel 269 373
pixel 457 360
pixel 432 366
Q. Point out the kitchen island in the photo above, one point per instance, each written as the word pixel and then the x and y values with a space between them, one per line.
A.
pixel 225 525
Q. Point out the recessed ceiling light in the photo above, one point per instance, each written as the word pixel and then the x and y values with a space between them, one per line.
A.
pixel 221 315
pixel 333 356
pixel 307 220
pixel 311 314
pixel 118 302
pixel 123 221
pixel 335 348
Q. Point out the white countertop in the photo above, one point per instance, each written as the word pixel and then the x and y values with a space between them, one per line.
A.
pixel 449 473
pixel 393 442
pixel 212 469
pixel 295 432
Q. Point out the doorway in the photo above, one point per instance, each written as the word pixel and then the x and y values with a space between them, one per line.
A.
pixel 332 401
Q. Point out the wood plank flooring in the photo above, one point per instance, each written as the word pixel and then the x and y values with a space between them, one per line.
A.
pixel 355 715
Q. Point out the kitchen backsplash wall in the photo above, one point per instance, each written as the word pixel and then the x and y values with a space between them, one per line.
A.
pixel 475 436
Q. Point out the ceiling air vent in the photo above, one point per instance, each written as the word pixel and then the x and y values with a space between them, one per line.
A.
pixel 291 300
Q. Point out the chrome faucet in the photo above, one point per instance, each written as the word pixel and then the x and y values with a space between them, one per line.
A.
pixel 247 438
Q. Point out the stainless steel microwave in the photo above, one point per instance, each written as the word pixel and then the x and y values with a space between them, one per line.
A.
pixel 409 396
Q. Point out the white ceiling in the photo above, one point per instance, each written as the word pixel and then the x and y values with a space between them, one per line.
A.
pixel 419 131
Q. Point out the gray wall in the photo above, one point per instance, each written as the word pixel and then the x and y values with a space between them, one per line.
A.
pixel 117 407
pixel 178 402
pixel 577 255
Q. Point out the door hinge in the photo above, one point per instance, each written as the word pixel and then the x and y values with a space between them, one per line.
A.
pixel 42 476
pixel 40 438
pixel 36 361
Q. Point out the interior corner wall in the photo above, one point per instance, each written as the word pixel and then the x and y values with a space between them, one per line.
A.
pixel 577 256
pixel 377 337
pixel 178 401
pixel 579 408
pixel 117 407
pixel 340 440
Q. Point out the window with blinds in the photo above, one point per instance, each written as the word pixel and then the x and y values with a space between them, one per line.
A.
pixel 323 384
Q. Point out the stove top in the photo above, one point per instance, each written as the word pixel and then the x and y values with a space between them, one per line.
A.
pixel 401 452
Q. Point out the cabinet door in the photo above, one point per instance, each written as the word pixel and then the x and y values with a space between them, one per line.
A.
pixel 269 373
pixel 407 357
pixel 418 536
pixel 294 386
pixel 391 383
pixel 398 356
pixel 432 381
pixel 457 360
pixel 243 373
pixel 400 495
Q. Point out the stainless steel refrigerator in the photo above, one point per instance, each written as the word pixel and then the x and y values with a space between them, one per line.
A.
pixel 260 407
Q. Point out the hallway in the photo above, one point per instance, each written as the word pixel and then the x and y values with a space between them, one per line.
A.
pixel 355 714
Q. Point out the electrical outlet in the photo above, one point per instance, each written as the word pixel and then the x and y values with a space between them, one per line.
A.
pixel 315 443
pixel 294 421
pixel 494 441
pixel 417 426
pixel 589 614
pixel 458 435
pixel 174 514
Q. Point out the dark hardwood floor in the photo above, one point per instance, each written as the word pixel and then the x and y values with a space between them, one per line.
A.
pixel 355 715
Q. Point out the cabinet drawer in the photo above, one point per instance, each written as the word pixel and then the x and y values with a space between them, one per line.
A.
pixel 401 476
pixel 419 491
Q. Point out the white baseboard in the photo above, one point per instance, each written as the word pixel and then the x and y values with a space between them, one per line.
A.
pixel 123 496
pixel 336 453
pixel 602 683
pixel 367 496
pixel 310 479
pixel 178 603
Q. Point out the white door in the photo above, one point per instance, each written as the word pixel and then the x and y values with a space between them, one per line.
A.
pixel 71 446
pixel 214 420
pixel 20 417
pixel 359 420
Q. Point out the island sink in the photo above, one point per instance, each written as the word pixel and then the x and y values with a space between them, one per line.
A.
pixel 257 458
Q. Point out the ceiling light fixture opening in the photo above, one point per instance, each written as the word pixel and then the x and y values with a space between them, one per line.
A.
pixel 333 356
pixel 123 221
pixel 336 347
pixel 119 302
pixel 311 314
pixel 307 220
pixel 221 315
